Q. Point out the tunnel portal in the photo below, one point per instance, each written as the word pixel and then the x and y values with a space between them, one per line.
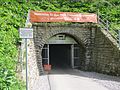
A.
pixel 62 51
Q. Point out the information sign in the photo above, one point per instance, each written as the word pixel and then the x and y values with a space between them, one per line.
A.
pixel 26 33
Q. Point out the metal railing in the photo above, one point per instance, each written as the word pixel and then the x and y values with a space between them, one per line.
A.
pixel 105 25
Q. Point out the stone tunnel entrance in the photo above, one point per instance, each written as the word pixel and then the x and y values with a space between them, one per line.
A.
pixel 62 51
pixel 74 45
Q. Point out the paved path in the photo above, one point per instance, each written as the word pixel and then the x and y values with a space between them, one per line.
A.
pixel 69 79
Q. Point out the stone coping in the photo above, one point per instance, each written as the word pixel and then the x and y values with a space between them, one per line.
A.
pixel 66 24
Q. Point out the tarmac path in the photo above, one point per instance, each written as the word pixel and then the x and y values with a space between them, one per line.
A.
pixel 69 79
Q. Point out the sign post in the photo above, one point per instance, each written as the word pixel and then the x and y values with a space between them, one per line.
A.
pixel 119 37
pixel 26 33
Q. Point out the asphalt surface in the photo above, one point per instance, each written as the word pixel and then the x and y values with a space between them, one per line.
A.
pixel 69 79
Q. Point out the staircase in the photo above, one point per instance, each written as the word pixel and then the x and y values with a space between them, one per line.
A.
pixel 104 24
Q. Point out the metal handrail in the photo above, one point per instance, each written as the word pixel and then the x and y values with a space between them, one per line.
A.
pixel 105 25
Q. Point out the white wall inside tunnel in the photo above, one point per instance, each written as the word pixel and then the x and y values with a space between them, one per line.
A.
pixel 61 39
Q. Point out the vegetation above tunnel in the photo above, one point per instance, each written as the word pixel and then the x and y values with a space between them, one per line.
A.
pixel 13 15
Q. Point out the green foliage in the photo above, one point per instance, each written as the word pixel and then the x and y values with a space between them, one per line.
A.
pixel 10 20
pixel 13 14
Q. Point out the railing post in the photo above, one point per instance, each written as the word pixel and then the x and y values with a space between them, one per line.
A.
pixel 107 25
pixel 98 16
pixel 119 37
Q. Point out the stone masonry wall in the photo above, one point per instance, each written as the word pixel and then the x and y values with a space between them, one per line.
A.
pixel 35 81
pixel 106 53
pixel 80 32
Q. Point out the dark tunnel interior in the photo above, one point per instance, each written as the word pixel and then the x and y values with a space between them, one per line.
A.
pixel 63 56
pixel 60 55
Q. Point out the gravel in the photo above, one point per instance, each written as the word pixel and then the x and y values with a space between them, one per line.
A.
pixel 110 82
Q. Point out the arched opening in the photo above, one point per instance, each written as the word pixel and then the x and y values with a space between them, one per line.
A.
pixel 63 51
